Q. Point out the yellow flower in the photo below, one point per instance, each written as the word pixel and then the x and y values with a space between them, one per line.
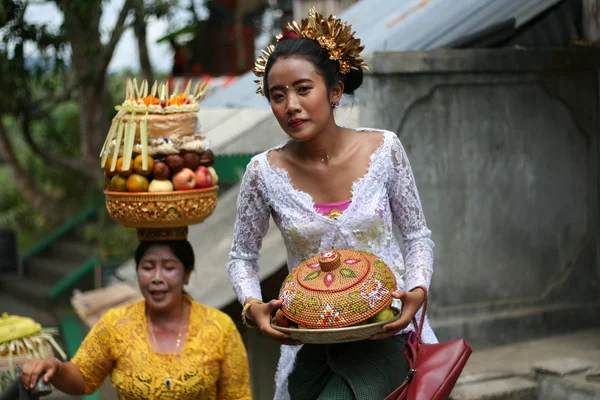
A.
pixel 335 54
pixel 344 67
pixel 327 42
pixel 310 33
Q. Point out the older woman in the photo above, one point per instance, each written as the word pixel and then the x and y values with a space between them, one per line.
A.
pixel 166 346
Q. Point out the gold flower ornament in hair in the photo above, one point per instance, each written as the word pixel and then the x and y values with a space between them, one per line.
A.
pixel 331 33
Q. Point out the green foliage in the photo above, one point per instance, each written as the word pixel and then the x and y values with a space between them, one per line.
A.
pixel 17 215
pixel 111 240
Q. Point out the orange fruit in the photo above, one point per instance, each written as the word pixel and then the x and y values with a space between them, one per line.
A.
pixel 137 183
pixel 120 168
pixel 138 165
pixel 107 167
pixel 118 183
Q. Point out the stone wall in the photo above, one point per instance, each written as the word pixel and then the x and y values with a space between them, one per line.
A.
pixel 504 146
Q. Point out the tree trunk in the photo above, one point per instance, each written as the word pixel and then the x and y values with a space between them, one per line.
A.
pixel 139 27
pixel 39 200
pixel 94 123
pixel 591 20
pixel 90 62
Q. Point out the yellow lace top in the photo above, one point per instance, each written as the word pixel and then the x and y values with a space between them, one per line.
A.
pixel 213 364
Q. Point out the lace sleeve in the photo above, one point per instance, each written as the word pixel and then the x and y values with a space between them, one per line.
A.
pixel 94 357
pixel 251 225
pixel 408 216
pixel 234 378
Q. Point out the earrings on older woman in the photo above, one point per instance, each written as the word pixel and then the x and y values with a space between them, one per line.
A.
pixel 335 104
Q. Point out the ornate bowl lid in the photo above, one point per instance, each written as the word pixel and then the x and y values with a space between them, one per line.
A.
pixel 337 288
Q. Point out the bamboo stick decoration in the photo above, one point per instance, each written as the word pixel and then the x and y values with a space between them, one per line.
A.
pixel 161 97
pixel 144 140
pixel 196 88
pixel 113 164
pixel 145 85
pixel 154 88
pixel 176 90
pixel 187 88
pixel 202 87
pixel 129 141
pixel 136 88
pixel 129 90
pixel 109 138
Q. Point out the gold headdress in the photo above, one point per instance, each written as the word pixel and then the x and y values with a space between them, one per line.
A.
pixel 331 33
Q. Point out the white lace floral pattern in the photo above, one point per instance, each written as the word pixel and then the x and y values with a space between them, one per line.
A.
pixel 385 196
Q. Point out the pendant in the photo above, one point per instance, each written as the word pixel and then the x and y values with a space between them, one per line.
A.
pixel 168 383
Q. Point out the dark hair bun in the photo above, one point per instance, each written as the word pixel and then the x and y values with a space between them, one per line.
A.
pixel 352 81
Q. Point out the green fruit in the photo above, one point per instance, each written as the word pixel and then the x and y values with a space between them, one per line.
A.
pixel 384 315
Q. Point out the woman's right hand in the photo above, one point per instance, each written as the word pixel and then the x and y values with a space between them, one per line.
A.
pixel 33 369
pixel 261 315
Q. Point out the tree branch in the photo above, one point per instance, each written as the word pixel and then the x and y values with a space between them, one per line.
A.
pixel 139 28
pixel 47 104
pixel 115 36
pixel 48 156
pixel 38 199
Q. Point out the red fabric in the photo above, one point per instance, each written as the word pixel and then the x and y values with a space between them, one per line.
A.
pixel 289 35
pixel 434 368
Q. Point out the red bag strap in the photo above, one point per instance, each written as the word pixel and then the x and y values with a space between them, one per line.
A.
pixel 419 326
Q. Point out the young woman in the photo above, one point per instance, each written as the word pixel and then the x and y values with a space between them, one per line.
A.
pixel 330 187
pixel 164 347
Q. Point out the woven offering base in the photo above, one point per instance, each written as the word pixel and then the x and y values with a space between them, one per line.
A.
pixel 337 335
pixel 161 209
pixel 18 360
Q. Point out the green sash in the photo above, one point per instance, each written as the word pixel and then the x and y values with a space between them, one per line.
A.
pixel 364 370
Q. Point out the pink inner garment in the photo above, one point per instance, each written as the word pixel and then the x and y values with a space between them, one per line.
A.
pixel 325 208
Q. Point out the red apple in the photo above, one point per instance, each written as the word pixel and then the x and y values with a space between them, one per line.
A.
pixel 203 177
pixel 184 180
pixel 213 173
pixel 284 323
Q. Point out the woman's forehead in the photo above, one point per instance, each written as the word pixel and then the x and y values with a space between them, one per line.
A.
pixel 159 251
pixel 287 70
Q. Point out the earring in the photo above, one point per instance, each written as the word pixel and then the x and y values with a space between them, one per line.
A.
pixel 335 104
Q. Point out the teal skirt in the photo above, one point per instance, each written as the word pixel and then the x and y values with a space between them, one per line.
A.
pixel 363 370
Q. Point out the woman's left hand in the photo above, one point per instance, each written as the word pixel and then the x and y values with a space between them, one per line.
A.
pixel 411 302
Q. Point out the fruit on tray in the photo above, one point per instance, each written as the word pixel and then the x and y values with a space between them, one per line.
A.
pixel 158 185
pixel 155 137
pixel 162 169
pixel 184 180
pixel 384 315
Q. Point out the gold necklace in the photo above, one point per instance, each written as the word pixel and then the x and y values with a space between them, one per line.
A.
pixel 168 380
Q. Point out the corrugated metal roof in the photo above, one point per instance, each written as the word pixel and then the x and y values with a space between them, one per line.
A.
pixel 404 25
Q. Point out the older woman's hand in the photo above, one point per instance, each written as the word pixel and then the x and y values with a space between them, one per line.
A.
pixel 261 315
pixel 33 369
pixel 411 302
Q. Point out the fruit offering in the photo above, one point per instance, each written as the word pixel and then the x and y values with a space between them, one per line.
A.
pixel 335 289
pixel 154 143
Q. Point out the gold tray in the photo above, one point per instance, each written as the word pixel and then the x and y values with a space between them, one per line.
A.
pixel 337 335
pixel 161 209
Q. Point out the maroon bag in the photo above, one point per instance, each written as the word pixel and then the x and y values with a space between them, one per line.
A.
pixel 434 368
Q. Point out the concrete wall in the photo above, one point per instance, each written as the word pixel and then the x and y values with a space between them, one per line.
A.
pixel 504 146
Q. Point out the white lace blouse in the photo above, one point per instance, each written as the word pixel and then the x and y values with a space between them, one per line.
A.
pixel 385 196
